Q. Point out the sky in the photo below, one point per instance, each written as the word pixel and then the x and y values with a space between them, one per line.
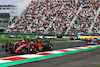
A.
pixel 21 4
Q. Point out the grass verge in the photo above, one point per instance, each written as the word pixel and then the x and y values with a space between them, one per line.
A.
pixel 3 41
pixel 6 40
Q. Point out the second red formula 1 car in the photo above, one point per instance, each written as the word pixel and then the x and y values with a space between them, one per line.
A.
pixel 29 45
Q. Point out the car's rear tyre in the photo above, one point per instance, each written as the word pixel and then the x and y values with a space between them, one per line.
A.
pixel 3 46
pixel 7 46
pixel 98 42
pixel 49 46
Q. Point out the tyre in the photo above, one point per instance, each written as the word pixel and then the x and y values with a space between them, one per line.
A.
pixel 3 46
pixel 49 46
pixel 98 42
pixel 16 46
pixel 7 46
pixel 11 49
pixel 33 49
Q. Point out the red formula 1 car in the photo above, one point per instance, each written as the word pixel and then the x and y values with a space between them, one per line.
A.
pixel 8 44
pixel 28 46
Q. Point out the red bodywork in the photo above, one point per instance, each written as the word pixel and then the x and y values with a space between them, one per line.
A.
pixel 25 43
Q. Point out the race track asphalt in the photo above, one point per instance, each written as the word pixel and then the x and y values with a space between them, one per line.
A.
pixel 83 59
pixel 56 45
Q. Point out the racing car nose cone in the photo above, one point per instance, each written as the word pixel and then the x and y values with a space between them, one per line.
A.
pixel 16 51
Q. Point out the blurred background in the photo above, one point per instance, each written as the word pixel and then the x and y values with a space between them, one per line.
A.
pixel 49 18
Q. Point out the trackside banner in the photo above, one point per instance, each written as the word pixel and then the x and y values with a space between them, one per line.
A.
pixel 50 37
pixel 86 37
pixel 23 36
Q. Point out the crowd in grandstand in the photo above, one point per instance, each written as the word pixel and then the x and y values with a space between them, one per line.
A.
pixel 65 16
pixel 85 17
pixel 37 17
pixel 96 28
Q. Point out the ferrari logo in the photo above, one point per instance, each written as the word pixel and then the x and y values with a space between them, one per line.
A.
pixel 21 45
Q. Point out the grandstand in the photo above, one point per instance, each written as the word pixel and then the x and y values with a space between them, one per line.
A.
pixel 58 17
pixel 6 16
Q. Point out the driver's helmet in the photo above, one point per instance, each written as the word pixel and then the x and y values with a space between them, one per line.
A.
pixel 28 40
pixel 36 40
pixel 23 41
pixel 95 40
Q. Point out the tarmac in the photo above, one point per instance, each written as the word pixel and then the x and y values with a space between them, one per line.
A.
pixel 89 58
